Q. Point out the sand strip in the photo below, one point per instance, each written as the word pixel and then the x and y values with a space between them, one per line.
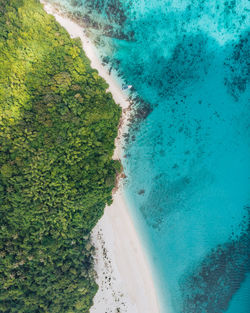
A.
pixel 124 276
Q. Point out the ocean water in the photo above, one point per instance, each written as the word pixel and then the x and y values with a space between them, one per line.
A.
pixel 187 152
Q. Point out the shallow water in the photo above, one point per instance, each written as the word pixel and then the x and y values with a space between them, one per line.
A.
pixel 187 156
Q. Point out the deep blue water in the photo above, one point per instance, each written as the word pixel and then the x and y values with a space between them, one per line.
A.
pixel 187 154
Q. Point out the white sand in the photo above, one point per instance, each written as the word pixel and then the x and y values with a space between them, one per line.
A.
pixel 124 277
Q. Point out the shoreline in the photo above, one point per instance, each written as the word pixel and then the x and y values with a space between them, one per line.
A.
pixel 124 276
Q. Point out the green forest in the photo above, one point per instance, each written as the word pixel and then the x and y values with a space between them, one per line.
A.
pixel 57 130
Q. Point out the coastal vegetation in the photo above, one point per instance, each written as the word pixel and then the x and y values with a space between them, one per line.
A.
pixel 57 131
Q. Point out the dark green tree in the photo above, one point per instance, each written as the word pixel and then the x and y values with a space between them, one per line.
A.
pixel 57 131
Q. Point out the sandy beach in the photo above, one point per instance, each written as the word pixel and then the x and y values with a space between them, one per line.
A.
pixel 124 276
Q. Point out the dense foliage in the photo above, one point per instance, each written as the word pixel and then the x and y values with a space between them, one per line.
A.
pixel 57 131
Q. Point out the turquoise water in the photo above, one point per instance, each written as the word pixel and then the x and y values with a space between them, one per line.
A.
pixel 187 154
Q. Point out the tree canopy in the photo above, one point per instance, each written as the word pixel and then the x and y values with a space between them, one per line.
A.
pixel 57 131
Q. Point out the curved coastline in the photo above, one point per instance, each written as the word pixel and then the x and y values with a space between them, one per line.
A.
pixel 124 275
